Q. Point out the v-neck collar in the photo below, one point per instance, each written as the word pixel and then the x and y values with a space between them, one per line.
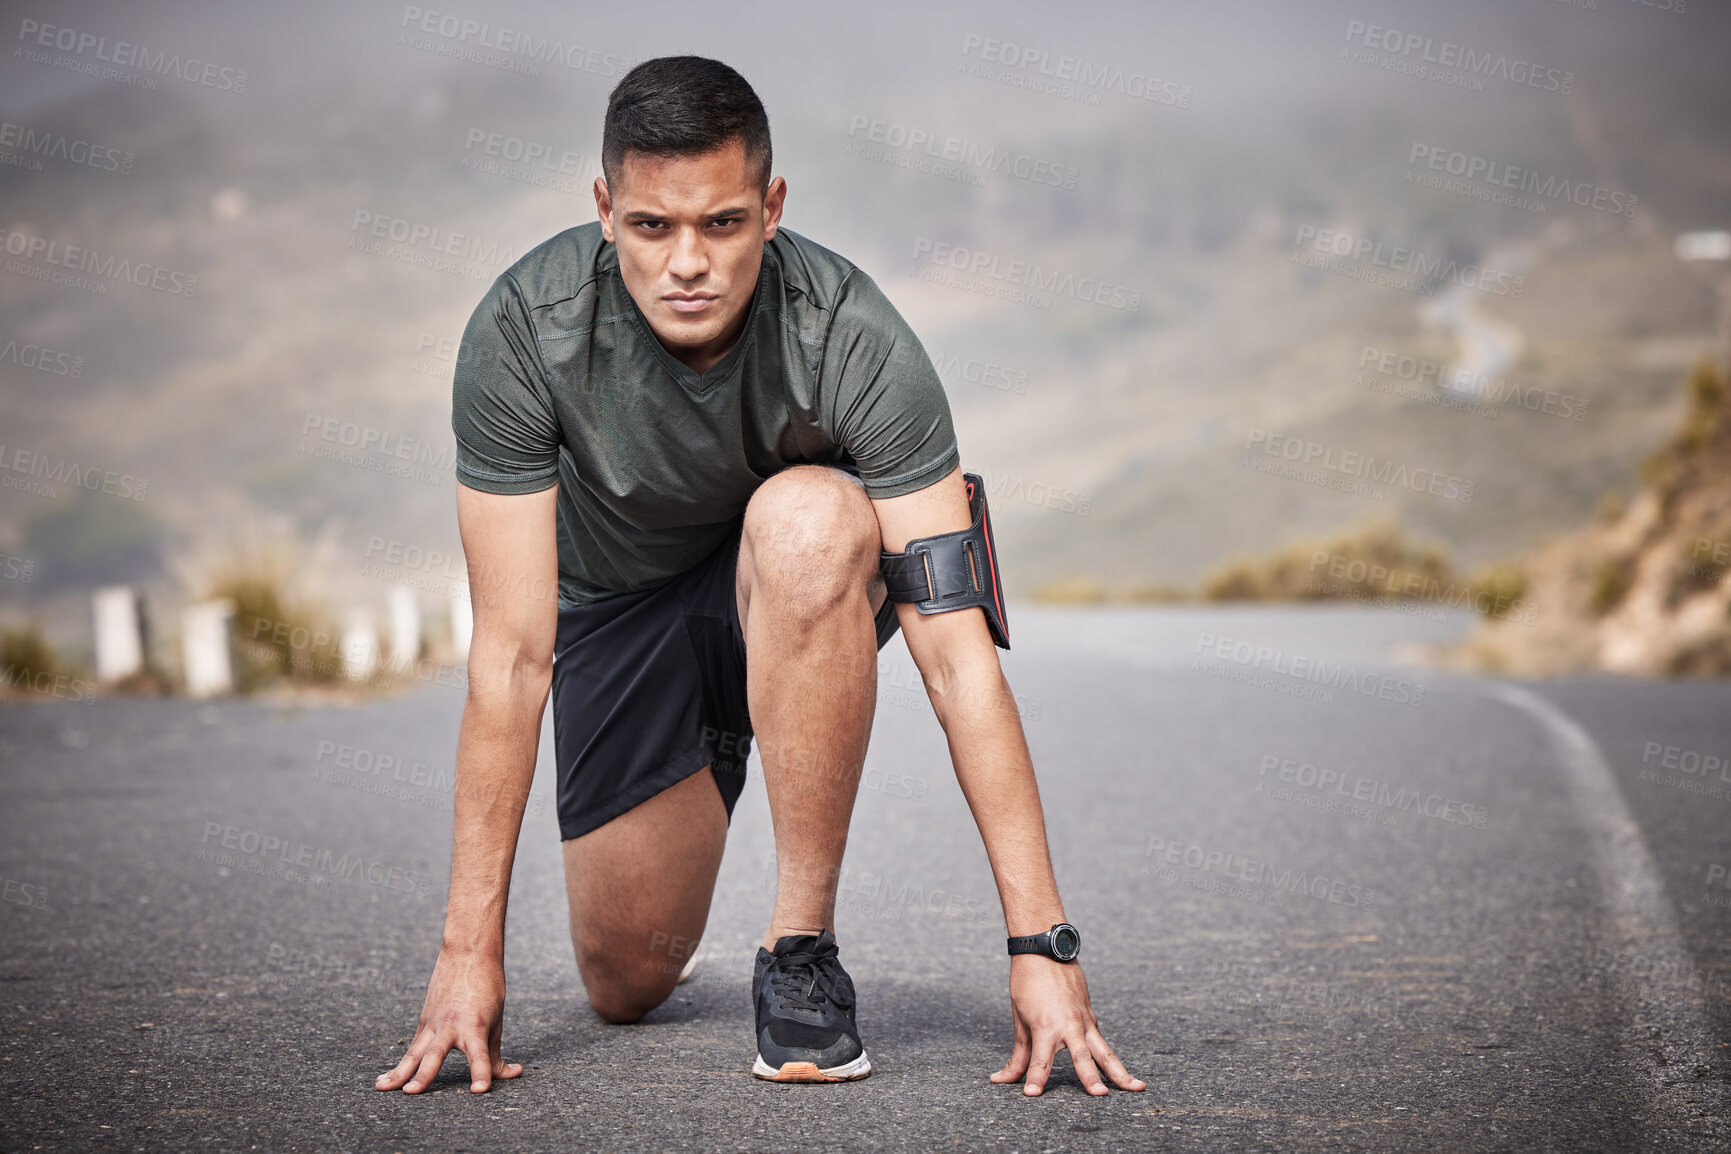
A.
pixel 721 370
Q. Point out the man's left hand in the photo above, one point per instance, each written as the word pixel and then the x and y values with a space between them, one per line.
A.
pixel 1049 1002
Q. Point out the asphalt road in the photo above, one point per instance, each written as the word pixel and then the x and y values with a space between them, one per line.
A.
pixel 1329 902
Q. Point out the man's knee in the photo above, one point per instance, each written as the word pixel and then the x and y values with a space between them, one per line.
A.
pixel 622 1007
pixel 623 993
pixel 813 537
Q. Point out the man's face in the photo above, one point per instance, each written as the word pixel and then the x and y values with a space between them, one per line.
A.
pixel 690 232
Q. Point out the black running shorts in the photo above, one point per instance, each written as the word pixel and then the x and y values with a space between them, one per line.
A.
pixel 649 687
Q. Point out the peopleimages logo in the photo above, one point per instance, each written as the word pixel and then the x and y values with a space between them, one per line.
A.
pixel 1261 879
pixel 1693 771
pixel 509 42
pixel 43 473
pixel 384 442
pixel 38 35
pixel 1069 76
pixel 1398 265
pixel 438 241
pixel 968 153
pixel 42 359
pixel 285 859
pixel 975 371
pixel 1302 668
pixel 1502 181
pixel 1391 585
pixel 1415 50
pixel 984 268
pixel 1367 790
pixel 1469 384
pixel 58 146
pixel 528 161
pixel 104 266
pixel 1365 466
pixel 44 683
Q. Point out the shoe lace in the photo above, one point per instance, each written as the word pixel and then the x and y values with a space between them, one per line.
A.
pixel 803 981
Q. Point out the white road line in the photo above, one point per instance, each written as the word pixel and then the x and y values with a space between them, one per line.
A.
pixel 1667 1033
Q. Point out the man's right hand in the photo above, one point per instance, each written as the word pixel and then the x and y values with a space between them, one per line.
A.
pixel 464 1010
pixel 513 557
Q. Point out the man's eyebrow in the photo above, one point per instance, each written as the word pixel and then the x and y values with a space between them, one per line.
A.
pixel 635 217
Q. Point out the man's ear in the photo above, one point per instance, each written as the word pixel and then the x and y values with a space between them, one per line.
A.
pixel 773 199
pixel 604 208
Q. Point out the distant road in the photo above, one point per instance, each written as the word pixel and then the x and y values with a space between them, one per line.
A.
pixel 1328 901
pixel 1486 347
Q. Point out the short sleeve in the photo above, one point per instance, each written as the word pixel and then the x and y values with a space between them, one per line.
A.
pixel 501 411
pixel 885 401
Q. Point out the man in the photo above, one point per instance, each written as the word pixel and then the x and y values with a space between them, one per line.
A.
pixel 706 430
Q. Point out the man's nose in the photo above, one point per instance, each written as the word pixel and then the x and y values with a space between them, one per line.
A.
pixel 690 258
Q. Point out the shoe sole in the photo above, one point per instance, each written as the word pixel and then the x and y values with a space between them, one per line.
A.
pixel 809 1072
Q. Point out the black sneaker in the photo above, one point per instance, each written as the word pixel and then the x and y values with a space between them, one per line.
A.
pixel 805 1007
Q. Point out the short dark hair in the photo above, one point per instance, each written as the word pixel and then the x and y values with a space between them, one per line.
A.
pixel 683 106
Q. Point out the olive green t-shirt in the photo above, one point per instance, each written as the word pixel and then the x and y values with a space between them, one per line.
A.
pixel 560 380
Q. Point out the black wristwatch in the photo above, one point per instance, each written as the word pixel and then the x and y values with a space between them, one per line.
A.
pixel 1061 943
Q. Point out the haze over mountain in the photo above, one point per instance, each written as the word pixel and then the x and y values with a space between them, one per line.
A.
pixel 1116 439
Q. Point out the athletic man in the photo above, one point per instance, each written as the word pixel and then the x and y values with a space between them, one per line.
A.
pixel 711 434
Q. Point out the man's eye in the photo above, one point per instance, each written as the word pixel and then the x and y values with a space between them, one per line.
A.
pixel 725 221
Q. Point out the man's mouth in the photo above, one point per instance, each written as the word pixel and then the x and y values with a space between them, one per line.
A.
pixel 689 302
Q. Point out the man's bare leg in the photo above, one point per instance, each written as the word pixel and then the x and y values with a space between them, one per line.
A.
pixel 639 889
pixel 808 587
pixel 639 897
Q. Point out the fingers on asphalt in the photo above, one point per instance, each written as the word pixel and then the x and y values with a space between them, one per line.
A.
pixel 432 1058
pixel 1090 1056
pixel 1083 1063
pixel 500 1071
pixel 485 1065
pixel 1041 1066
pixel 399 1073
pixel 1018 1063
pixel 1110 1062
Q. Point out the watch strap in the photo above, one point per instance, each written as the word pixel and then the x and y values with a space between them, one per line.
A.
pixel 1032 944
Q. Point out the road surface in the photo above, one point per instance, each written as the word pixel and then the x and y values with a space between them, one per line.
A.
pixel 1329 901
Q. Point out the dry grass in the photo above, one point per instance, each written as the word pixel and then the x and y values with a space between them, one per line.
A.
pixel 281 632
pixel 1073 591
pixel 1647 588
pixel 26 658
pixel 1368 561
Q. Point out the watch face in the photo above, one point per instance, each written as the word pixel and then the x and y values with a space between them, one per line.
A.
pixel 1066 942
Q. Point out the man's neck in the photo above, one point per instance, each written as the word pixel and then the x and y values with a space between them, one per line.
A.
pixel 705 357
pixel 701 360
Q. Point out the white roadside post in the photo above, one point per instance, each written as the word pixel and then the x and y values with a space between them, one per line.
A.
pixel 462 624
pixel 207 648
pixel 1711 247
pixel 405 615
pixel 119 633
pixel 360 645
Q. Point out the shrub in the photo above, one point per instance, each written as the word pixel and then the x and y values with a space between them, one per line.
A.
pixel 1503 584
pixel 1611 582
pixel 1368 561
pixel 277 636
pixel 1071 591
pixel 25 656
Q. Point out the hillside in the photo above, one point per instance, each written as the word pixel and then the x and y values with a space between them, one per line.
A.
pixel 1647 590
pixel 1114 440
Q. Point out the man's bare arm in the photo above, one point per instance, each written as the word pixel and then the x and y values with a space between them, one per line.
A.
pixel 511 547
pixel 959 665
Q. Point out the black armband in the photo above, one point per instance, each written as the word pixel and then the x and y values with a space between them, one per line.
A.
pixel 952 570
